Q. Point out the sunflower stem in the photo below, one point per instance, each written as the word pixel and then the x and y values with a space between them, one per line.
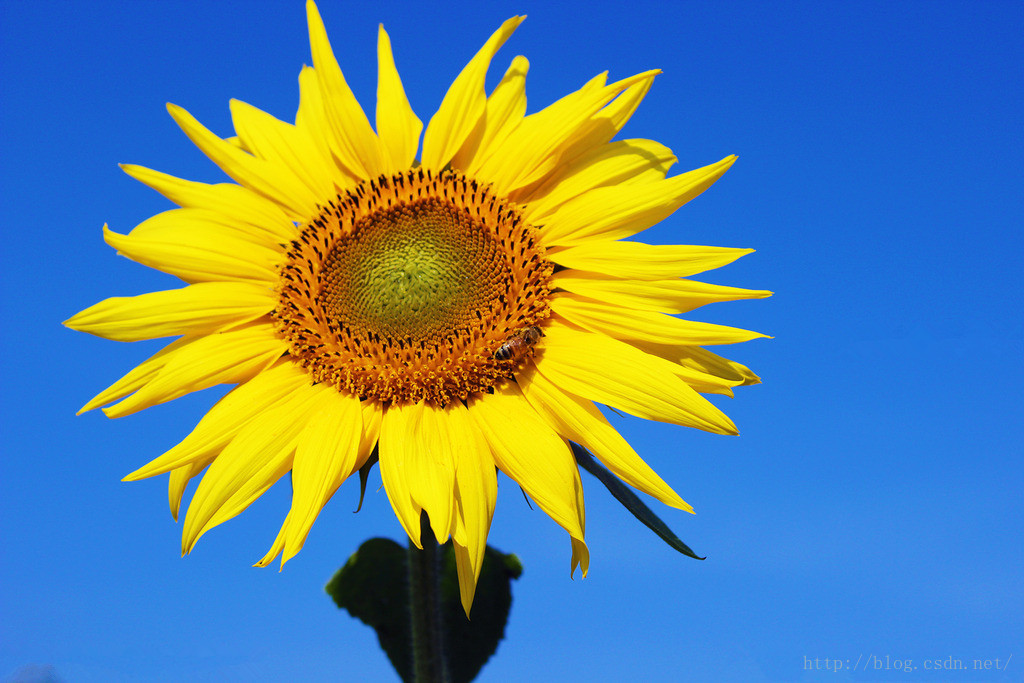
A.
pixel 430 663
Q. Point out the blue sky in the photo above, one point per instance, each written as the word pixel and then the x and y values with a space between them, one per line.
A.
pixel 870 505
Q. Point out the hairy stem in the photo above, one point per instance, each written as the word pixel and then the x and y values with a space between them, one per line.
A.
pixel 430 664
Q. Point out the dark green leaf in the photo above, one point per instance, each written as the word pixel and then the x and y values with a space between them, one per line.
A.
pixel 629 500
pixel 364 474
pixel 373 587
pixel 471 642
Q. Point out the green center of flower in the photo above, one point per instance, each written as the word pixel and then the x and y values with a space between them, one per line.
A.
pixel 414 287
pixel 414 272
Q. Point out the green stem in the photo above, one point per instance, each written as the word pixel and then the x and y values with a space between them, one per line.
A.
pixel 430 663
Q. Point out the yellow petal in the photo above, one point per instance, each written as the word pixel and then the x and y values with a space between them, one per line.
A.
pixel 195 309
pixel 368 433
pixel 394 447
pixel 184 225
pixel 398 127
pixel 197 254
pixel 233 203
pixel 271 180
pixel 419 463
pixel 476 489
pixel 620 322
pixel 372 416
pixel 621 211
pixel 244 404
pixel 286 146
pixel 326 455
pixel 604 124
pixel 505 108
pixel 612 372
pixel 617 163
pixel 278 545
pixel 259 455
pixel 506 105
pixel 433 471
pixel 663 334
pixel 463 104
pixel 224 358
pixel 664 296
pixel 639 261
pixel 579 420
pixel 357 145
pixel 467 577
pixel 532 455
pixel 593 85
pixel 312 118
pixel 131 382
pixel 703 360
pixel 534 148
pixel 580 557
pixel 179 479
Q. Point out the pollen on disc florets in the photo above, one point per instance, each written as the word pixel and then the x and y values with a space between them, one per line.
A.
pixel 405 287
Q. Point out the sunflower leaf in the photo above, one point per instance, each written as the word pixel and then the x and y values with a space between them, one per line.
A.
pixel 364 475
pixel 373 587
pixel 471 643
pixel 630 500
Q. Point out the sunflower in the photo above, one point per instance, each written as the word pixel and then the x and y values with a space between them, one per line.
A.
pixel 451 313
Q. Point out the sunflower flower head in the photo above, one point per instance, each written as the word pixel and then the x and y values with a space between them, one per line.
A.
pixel 453 311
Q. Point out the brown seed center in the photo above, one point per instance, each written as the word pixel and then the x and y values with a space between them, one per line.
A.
pixel 406 287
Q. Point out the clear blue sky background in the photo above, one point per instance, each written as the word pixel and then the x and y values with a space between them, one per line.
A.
pixel 872 504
